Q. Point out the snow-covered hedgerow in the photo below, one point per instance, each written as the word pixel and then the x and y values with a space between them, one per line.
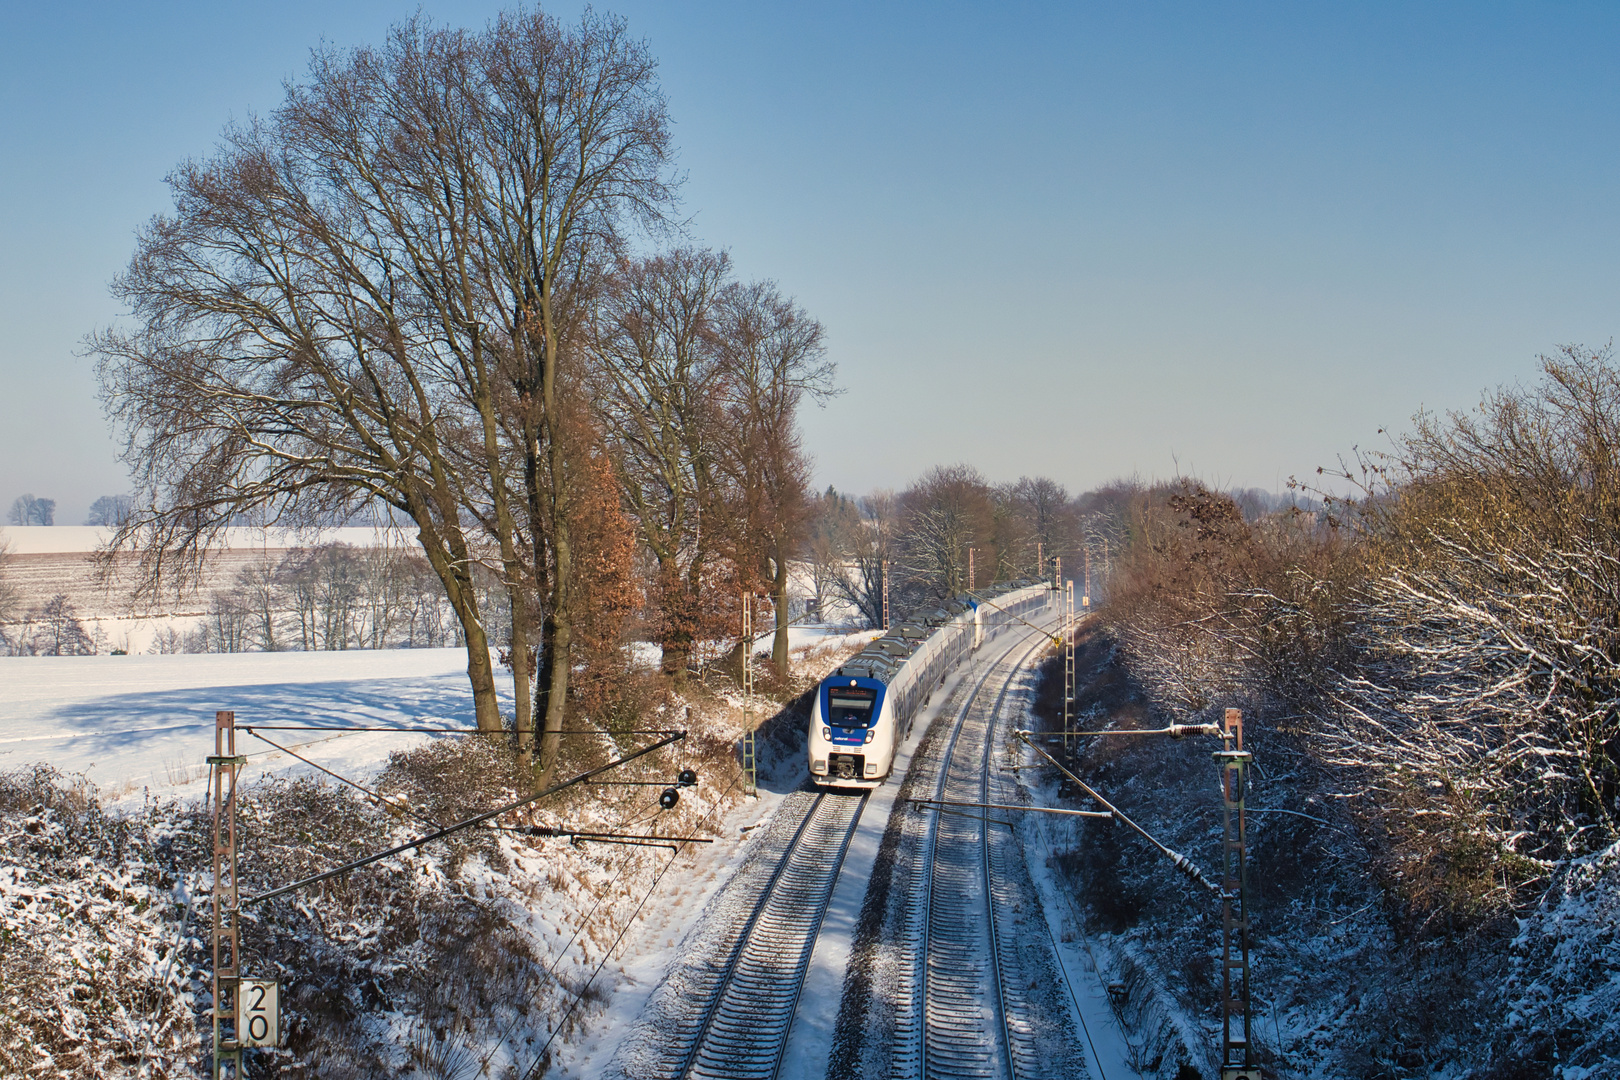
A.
pixel 469 957
pixel 92 932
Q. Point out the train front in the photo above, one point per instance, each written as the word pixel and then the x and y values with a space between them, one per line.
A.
pixel 851 732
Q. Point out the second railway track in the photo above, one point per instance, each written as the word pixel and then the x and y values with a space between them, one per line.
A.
pixel 975 1001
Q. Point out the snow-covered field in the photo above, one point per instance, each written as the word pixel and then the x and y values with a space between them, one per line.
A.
pixel 131 723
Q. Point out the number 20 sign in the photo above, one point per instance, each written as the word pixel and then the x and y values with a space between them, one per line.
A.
pixel 258 1012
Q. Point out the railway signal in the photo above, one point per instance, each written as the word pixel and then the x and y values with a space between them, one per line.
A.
pixel 258 1013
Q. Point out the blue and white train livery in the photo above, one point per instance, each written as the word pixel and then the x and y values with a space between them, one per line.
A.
pixel 863 711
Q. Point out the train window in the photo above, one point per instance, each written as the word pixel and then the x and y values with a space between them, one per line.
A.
pixel 850 706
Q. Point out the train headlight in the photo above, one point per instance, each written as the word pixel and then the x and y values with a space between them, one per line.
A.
pixel 826 733
pixel 870 734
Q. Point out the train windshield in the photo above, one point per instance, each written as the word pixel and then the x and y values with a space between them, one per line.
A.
pixel 850 706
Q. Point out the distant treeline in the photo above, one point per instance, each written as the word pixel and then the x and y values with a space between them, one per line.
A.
pixel 327 597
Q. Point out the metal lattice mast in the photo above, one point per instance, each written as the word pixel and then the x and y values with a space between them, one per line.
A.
pixel 1237 1059
pixel 224 765
pixel 885 573
pixel 750 749
pixel 1085 600
pixel 1068 660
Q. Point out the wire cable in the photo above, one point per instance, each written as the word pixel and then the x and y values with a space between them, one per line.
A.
pixel 385 800
pixel 534 1069
pixel 460 825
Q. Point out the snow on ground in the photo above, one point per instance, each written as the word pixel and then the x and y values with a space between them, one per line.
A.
pixel 147 720
pixel 653 946
pixel 144 721
pixel 135 722
pixel 1108 1049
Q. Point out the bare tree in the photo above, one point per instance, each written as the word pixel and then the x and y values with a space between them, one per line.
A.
pixel 360 298
pixel 58 631
pixel 260 589
pixel 10 598
pixel 773 358
pixel 830 544
pixel 946 512
pixel 583 150
pixel 1487 657
pixel 1041 525
pixel 870 550
pixel 226 626
pixel 659 394
pixel 31 510
pixel 109 510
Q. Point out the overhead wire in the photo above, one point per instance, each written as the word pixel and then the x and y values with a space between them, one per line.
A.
pixel 534 1068
pixel 478 819
pixel 441 831
pixel 385 800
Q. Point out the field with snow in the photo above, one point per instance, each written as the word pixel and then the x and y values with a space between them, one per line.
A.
pixel 140 722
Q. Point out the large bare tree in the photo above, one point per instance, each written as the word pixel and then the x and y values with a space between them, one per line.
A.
pixel 868 552
pixel 365 296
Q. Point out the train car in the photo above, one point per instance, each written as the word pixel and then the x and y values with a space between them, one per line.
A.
pixel 863 711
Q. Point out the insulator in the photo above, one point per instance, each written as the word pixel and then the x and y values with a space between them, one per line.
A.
pixel 669 798
pixel 687 777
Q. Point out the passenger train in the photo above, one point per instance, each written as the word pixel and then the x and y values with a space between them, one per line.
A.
pixel 863 711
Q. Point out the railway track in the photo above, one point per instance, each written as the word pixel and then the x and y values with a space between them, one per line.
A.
pixel 727 1011
pixel 976 1000
pixel 976 992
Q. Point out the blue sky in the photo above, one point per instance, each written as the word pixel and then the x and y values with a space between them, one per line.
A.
pixel 1076 240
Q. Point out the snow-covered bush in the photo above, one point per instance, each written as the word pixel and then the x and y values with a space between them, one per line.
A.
pixel 1563 997
pixel 97 957
pixel 463 958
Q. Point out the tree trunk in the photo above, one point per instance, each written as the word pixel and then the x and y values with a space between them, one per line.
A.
pixel 522 674
pixel 557 634
pixel 480 672
pixel 675 643
pixel 779 600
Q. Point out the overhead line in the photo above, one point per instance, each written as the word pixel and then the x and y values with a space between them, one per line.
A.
pixel 1184 864
pixel 460 825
